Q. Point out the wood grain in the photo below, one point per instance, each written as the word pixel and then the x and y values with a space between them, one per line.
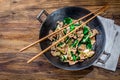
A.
pixel 19 27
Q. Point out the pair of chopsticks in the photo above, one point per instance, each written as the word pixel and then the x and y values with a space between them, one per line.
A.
pixel 96 13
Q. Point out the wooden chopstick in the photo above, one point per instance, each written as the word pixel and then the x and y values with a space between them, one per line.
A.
pixel 53 33
pixel 100 11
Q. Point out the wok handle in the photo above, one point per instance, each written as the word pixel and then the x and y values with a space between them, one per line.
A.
pixel 106 57
pixel 39 16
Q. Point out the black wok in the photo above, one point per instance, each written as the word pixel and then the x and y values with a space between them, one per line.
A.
pixel 75 13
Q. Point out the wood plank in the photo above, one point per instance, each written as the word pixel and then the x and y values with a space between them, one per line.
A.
pixel 25 11
pixel 14 36
pixel 19 27
pixel 14 66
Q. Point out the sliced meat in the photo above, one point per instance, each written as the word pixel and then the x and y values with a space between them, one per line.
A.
pixel 94 33
pixel 90 54
pixel 93 40
pixel 55 53
pixel 71 62
pixel 82 47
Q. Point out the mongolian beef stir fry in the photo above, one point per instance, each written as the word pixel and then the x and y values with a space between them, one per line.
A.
pixel 76 47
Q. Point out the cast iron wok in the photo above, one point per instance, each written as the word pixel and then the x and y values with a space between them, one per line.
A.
pixel 75 13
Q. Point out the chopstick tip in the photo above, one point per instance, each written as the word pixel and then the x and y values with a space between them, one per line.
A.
pixel 21 50
pixel 28 61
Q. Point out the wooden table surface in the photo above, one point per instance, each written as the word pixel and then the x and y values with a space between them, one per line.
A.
pixel 19 27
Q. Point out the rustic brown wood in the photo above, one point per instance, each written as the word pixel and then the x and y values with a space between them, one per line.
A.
pixel 19 27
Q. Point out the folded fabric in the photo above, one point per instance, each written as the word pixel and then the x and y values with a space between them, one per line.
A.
pixel 112 32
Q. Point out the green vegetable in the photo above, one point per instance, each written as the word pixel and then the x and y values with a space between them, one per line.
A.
pixel 63 57
pixel 88 44
pixel 79 44
pixel 78 58
pixel 85 30
pixel 73 56
pixel 78 24
pixel 60 44
pixel 89 40
pixel 70 42
pixel 78 52
pixel 75 43
pixel 65 31
pixel 67 40
pixel 72 27
pixel 85 38
pixel 67 20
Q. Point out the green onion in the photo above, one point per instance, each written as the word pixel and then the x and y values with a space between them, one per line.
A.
pixel 85 30
pixel 67 20
pixel 88 44
pixel 67 39
pixel 78 52
pixel 75 43
pixel 78 24
pixel 73 56
pixel 85 38
pixel 60 44
pixel 78 58
pixel 65 31
pixel 79 44
pixel 63 57
pixel 72 27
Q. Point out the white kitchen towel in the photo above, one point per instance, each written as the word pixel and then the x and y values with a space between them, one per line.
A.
pixel 112 45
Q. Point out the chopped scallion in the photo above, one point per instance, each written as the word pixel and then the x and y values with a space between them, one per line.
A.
pixel 67 20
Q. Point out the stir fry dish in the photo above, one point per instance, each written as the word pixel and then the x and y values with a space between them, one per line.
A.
pixel 76 47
